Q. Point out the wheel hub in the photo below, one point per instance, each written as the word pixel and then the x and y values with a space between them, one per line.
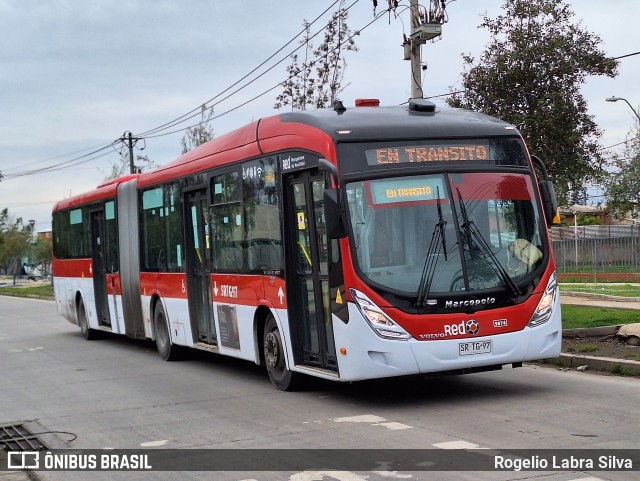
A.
pixel 271 349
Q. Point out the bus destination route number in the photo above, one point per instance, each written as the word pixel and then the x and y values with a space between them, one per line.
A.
pixel 475 347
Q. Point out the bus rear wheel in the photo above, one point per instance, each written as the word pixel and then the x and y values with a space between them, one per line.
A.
pixel 88 333
pixel 274 358
pixel 167 350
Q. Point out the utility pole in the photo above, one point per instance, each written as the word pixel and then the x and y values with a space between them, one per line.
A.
pixel 128 139
pixel 416 55
pixel 423 28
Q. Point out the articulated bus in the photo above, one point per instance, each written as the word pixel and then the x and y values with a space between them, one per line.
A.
pixel 345 243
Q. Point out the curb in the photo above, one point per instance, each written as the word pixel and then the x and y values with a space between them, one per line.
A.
pixel 581 362
pixel 626 367
pixel 591 331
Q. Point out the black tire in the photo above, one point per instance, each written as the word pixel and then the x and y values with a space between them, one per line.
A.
pixel 167 350
pixel 274 358
pixel 88 333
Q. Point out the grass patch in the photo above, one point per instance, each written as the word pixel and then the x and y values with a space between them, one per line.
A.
pixel 623 371
pixel 41 292
pixel 574 317
pixel 584 348
pixel 556 361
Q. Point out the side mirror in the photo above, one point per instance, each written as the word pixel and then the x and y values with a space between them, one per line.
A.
pixel 334 215
pixel 548 193
pixel 549 202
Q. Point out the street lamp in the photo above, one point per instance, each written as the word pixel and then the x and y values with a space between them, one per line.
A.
pixel 615 99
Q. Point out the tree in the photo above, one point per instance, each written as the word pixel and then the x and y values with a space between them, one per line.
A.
pixel 121 166
pixel 198 134
pixel 15 242
pixel 622 184
pixel 316 80
pixel 530 75
pixel 42 256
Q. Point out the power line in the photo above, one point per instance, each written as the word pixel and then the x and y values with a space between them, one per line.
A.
pixel 196 111
pixel 627 55
pixel 63 165
pixel 76 161
pixel 61 156
pixel 263 93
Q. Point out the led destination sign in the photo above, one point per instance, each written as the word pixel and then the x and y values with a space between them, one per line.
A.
pixel 427 153
pixel 406 190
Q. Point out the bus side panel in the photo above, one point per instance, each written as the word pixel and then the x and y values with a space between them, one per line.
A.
pixel 66 291
pixel 64 298
pixel 72 276
pixel 172 290
pixel 234 328
pixel 177 310
pixel 114 291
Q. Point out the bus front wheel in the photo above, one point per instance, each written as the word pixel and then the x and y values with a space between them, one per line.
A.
pixel 274 358
pixel 167 350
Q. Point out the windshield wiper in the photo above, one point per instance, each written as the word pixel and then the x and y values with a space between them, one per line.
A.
pixel 438 240
pixel 474 239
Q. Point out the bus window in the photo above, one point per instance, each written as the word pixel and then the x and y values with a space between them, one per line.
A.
pixel 262 215
pixel 227 223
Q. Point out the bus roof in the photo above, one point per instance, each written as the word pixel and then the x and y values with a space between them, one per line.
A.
pixel 103 191
pixel 315 130
pixel 319 130
pixel 401 122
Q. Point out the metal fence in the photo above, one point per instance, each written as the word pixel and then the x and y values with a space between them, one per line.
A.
pixel 596 249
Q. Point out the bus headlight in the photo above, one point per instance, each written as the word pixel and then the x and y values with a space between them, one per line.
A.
pixel 545 307
pixel 381 324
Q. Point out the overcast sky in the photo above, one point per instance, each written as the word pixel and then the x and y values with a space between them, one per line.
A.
pixel 76 74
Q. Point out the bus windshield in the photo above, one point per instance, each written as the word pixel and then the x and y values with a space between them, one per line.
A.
pixel 434 234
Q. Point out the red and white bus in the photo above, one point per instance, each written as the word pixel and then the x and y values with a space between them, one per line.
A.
pixel 346 244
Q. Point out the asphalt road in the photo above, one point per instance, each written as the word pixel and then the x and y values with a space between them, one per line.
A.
pixel 117 393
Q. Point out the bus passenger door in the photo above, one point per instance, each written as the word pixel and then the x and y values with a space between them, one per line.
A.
pixel 99 267
pixel 307 270
pixel 198 259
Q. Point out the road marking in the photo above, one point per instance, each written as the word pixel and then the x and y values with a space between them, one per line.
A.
pixel 30 349
pixel 365 418
pixel 322 475
pixel 587 479
pixel 374 421
pixel 153 444
pixel 393 426
pixel 392 474
pixel 456 445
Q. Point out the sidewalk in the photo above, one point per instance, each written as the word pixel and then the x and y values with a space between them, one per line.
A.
pixel 600 300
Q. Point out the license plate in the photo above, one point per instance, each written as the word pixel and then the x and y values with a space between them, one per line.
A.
pixel 475 347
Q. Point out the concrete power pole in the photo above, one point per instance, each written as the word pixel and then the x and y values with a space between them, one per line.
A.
pixel 416 57
pixel 128 139
pixel 421 32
